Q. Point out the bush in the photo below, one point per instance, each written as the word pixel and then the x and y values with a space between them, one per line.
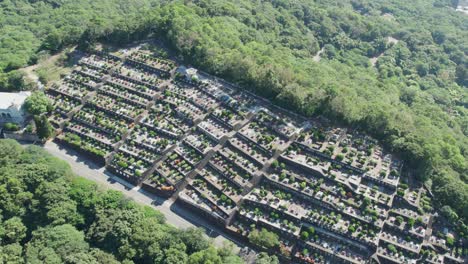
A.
pixel 11 127
pixel 339 157
pixel 450 241
pixel 398 220
pixel 275 164
pixel 392 248
pixel 29 128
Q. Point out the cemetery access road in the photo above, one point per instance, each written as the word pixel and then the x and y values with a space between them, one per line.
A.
pixel 175 214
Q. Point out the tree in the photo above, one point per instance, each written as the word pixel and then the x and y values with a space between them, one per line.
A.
pixel 398 220
pixel 43 192
pixel 59 242
pixel 340 157
pixel 450 241
pixel 53 41
pixel 37 103
pixel 462 75
pixel 194 239
pixel 226 252
pixel 392 248
pixel 103 257
pixel 11 253
pixel 12 81
pixel 209 255
pixel 275 164
pixel 175 256
pixel 304 235
pixel 264 258
pixel 58 207
pixel 264 238
pixel 366 202
pixel 43 127
pixel 14 230
pixel 448 213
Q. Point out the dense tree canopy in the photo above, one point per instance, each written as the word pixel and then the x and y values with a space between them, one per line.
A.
pixel 395 68
pixel 47 215
pixel 37 104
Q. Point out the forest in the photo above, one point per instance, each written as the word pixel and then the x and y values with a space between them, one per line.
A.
pixel 48 215
pixel 393 68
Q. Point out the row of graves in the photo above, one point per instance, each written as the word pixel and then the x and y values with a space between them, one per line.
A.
pixel 331 194
pixel 335 192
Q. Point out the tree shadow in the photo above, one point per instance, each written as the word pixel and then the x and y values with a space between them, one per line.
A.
pixel 200 221
pixel 112 179
pixel 80 158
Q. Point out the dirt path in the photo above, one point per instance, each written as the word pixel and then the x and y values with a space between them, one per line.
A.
pixel 50 64
pixel 31 70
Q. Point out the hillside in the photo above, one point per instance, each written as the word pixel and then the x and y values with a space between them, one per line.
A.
pixel 413 98
pixel 48 215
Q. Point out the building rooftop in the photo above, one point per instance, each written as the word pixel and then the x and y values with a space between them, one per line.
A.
pixel 13 99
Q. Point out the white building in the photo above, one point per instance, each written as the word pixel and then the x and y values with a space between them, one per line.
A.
pixel 11 107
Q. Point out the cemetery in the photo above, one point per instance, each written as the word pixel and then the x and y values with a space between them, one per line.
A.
pixel 330 194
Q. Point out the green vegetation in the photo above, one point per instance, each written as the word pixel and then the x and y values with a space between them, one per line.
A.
pixel 43 127
pixel 264 238
pixel 11 127
pixel 37 104
pixel 413 98
pixel 48 215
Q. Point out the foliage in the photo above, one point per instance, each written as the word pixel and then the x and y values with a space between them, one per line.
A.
pixel 43 127
pixel 449 214
pixel 413 98
pixel 264 258
pixel 48 215
pixel 11 127
pixel 12 81
pixel 392 248
pixel 264 238
pixel 37 103
pixel 450 241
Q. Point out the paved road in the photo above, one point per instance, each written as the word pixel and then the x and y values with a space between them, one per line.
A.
pixel 175 215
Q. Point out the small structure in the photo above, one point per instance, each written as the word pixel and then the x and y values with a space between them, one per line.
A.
pixel 11 107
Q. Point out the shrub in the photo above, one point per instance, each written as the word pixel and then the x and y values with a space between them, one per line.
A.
pixel 339 157
pixel 449 241
pixel 392 248
pixel 11 127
